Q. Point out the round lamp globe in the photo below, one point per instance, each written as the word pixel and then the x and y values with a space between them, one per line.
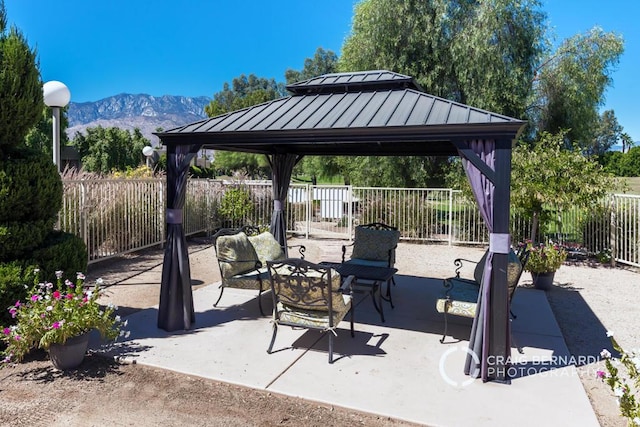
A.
pixel 56 94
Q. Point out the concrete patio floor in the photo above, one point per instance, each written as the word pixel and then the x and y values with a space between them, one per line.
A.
pixel 397 369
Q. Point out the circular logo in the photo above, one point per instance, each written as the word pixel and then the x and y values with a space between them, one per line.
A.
pixel 447 378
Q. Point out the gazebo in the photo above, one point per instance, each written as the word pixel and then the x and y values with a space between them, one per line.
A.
pixel 368 113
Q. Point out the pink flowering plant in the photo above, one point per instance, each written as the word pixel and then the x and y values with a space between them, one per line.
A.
pixel 54 313
pixel 624 385
pixel 544 257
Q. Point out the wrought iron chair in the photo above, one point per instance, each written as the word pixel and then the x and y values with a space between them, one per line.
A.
pixel 374 244
pixel 461 294
pixel 308 295
pixel 242 255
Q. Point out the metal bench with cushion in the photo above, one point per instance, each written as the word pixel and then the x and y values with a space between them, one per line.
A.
pixel 242 255
pixel 461 294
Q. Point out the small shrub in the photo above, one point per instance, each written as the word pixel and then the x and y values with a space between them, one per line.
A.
pixel 235 205
pixel 14 280
pixel 61 251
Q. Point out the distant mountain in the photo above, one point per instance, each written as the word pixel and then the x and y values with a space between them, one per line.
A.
pixel 128 111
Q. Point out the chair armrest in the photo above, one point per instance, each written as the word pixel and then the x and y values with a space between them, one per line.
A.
pixel 301 249
pixel 344 251
pixel 347 285
pixel 458 262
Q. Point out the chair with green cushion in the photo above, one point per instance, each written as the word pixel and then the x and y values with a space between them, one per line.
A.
pixel 307 295
pixel 242 256
pixel 461 294
pixel 375 245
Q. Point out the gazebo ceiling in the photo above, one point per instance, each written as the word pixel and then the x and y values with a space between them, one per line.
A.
pixel 377 113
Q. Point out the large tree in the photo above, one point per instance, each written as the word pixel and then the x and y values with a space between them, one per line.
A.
pixel 483 53
pixel 570 85
pixel 323 62
pixel 243 92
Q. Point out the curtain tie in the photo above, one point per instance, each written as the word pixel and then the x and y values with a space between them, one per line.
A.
pixel 277 205
pixel 499 243
pixel 174 216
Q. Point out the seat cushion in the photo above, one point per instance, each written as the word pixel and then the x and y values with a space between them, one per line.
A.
pixel 367 262
pixel 313 318
pixel 374 244
pixel 462 301
pixel 267 248
pixel 235 254
pixel 249 280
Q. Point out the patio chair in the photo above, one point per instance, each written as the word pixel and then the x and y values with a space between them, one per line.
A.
pixel 242 255
pixel 461 294
pixel 310 296
pixel 374 244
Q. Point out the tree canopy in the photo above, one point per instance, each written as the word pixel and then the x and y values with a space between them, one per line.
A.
pixel 479 53
pixel 104 150
pixel 549 177
pixel 21 99
pixel 570 85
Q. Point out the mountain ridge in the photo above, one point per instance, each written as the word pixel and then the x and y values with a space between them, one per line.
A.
pixel 142 111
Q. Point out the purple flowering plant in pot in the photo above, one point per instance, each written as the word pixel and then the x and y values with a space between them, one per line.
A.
pixel 56 313
pixel 544 260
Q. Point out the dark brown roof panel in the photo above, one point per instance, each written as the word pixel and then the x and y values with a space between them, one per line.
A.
pixel 356 81
pixel 348 113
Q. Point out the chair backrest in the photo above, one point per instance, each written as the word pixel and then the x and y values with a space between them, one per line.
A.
pixel 376 242
pixel 234 252
pixel 302 284
pixel 515 267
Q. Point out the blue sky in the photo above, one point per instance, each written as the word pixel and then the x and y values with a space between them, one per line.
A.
pixel 103 48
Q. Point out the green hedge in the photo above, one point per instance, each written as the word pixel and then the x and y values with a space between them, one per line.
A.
pixel 30 188
pixel 61 251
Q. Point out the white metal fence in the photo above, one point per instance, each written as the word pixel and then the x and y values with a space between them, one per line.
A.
pixel 119 216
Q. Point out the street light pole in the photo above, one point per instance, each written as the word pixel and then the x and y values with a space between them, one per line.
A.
pixel 56 96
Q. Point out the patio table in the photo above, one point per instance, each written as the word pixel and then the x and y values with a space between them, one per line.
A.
pixel 373 274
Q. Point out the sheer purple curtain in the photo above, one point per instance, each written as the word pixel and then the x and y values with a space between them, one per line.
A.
pixel 483 190
pixel 282 168
pixel 176 311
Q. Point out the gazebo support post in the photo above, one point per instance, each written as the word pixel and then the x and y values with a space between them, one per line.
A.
pixel 499 324
pixel 176 311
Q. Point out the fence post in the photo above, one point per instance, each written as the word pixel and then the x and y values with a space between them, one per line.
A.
pixel 350 210
pixel 450 216
pixel 84 229
pixel 612 230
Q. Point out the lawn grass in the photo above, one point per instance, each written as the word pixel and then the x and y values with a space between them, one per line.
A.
pixel 634 184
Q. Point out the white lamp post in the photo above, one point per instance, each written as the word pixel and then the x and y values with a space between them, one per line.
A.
pixel 56 96
pixel 148 152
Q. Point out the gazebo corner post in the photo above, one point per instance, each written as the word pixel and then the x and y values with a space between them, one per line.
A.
pixel 175 310
pixel 282 165
pixel 487 163
pixel 499 360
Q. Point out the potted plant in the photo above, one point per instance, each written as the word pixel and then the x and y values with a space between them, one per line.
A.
pixel 544 260
pixel 58 318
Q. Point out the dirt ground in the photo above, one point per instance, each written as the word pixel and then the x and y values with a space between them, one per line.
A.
pixel 104 392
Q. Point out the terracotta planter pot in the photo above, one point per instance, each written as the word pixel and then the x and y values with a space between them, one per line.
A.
pixel 70 354
pixel 543 281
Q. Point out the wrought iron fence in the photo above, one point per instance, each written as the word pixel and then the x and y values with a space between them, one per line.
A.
pixel 118 216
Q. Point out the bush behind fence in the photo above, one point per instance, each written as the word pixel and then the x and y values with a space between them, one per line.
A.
pixel 119 216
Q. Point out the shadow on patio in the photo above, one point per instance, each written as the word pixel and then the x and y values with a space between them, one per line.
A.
pixel 398 368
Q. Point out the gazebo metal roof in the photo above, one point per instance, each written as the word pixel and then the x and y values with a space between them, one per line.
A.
pixel 363 113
